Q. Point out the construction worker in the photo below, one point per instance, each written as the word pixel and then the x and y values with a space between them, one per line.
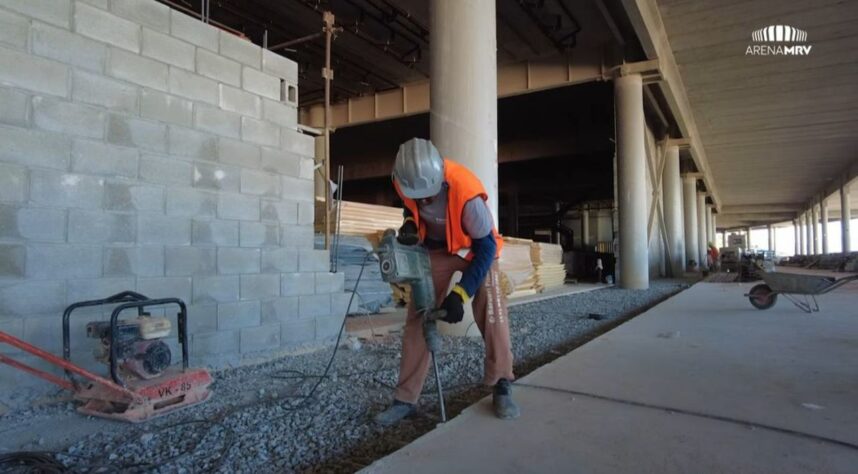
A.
pixel 446 211
pixel 712 256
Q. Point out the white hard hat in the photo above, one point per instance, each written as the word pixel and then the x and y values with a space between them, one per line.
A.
pixel 419 169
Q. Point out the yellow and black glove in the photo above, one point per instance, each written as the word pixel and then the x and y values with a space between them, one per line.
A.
pixel 408 234
pixel 454 305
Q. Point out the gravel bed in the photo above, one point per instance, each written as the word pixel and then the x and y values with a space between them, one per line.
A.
pixel 260 420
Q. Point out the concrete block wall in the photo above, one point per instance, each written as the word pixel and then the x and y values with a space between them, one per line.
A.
pixel 141 149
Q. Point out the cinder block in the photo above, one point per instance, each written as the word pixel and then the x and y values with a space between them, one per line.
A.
pixel 280 113
pixel 279 310
pixel 340 304
pixel 297 284
pixel 137 133
pixel 306 213
pixel 22 297
pixel 285 212
pixel 193 144
pixel 279 66
pixel 69 48
pixel 159 229
pixel 122 196
pixel 327 282
pixel 143 261
pixel 298 143
pixel 314 261
pixel 100 25
pixel 100 158
pixel 296 236
pixel 236 206
pixel 57 12
pixel 308 168
pixel 185 261
pixel 280 162
pixel 13 183
pixel 201 318
pixel 219 122
pixel 258 131
pixel 314 306
pixel 279 260
pixel 65 190
pixel 215 232
pixel 260 286
pixel 298 189
pixel 41 331
pixel 13 258
pixel 260 338
pixel 260 83
pixel 328 328
pixel 14 29
pixel 256 234
pixel 218 68
pixel 166 108
pixel 193 31
pixel 216 289
pixel 137 69
pixel 237 260
pixel 191 203
pixel 144 12
pixel 34 148
pixel 14 106
pixel 92 227
pixel 68 118
pixel 215 343
pixel 240 49
pixel 167 287
pixel 33 73
pixel 192 86
pixel 259 183
pixel 217 176
pixel 63 261
pixel 298 332
pixel 32 223
pixel 97 288
pixel 239 101
pixel 238 153
pixel 99 90
pixel 15 328
pixel 165 170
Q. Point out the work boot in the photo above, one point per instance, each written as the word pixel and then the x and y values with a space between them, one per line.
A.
pixel 395 413
pixel 505 408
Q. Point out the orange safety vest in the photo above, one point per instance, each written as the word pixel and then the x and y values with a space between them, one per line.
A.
pixel 463 186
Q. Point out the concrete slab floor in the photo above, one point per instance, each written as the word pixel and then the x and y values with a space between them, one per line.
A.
pixel 701 383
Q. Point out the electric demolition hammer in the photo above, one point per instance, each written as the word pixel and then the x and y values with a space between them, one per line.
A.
pixel 409 264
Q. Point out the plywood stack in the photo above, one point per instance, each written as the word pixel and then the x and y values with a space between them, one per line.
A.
pixel 517 266
pixel 548 262
pixel 357 218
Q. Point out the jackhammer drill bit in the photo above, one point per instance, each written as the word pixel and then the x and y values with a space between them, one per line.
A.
pixel 433 343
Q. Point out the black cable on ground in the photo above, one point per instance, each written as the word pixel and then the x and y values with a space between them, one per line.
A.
pixel 31 461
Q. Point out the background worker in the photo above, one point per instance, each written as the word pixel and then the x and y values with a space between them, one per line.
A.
pixel 446 211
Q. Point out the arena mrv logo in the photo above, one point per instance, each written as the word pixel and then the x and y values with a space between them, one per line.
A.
pixel 778 40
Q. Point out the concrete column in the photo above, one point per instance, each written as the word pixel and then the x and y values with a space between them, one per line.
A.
pixel 823 218
pixel 845 217
pixel 689 202
pixel 463 85
pixel 808 230
pixel 631 182
pixel 672 203
pixel 814 215
pixel 701 228
pixel 585 227
pixel 463 97
pixel 797 232
pixel 770 232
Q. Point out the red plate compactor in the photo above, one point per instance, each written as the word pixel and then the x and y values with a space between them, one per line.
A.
pixel 143 383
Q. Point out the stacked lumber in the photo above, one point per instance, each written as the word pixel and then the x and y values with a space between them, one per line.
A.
pixel 516 266
pixel 357 218
pixel 548 263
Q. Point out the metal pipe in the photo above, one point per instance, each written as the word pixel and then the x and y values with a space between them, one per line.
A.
pixel 328 19
pixel 299 40
pixel 339 215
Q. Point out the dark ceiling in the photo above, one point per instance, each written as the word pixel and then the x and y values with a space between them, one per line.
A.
pixel 385 43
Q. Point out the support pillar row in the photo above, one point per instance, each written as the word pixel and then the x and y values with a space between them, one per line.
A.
pixel 689 201
pixel 845 217
pixel 672 203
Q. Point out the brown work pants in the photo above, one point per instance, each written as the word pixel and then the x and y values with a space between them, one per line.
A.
pixel 490 314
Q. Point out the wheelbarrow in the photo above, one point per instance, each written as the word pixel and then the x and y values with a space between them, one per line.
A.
pixel 800 290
